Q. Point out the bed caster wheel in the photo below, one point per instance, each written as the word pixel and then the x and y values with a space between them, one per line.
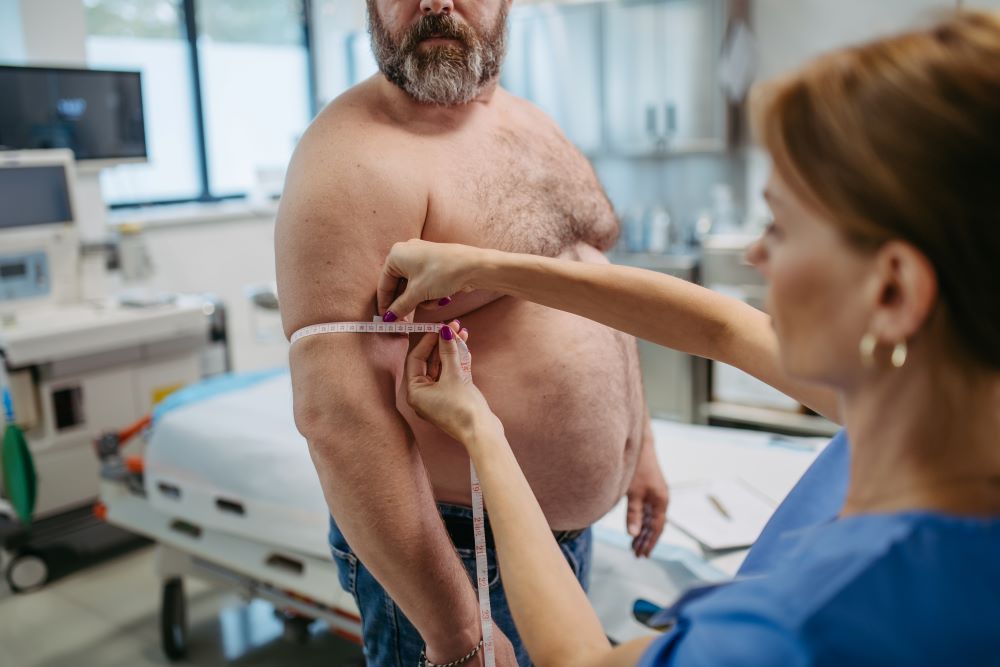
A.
pixel 27 572
pixel 173 620
pixel 296 628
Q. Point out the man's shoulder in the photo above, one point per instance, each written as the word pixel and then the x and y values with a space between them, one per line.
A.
pixel 346 149
pixel 525 110
pixel 349 126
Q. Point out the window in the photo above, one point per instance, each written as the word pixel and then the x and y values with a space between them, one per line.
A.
pixel 148 35
pixel 226 89
pixel 254 77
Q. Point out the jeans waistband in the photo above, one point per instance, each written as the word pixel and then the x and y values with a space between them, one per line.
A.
pixel 458 523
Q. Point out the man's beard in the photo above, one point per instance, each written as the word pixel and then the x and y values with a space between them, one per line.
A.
pixel 445 75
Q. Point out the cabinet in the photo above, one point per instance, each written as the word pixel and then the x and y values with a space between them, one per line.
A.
pixel 660 85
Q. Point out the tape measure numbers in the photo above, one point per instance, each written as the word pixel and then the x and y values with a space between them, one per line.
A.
pixel 377 326
pixel 478 513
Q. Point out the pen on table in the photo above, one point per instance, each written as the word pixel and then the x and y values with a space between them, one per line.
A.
pixel 719 506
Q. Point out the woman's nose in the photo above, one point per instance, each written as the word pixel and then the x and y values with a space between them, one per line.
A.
pixel 756 255
pixel 436 6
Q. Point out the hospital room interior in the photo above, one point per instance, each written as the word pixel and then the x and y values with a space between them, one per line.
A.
pixel 159 503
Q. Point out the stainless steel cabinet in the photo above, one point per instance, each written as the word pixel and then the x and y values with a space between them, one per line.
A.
pixel 675 383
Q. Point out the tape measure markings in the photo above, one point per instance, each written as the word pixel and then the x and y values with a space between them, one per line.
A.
pixel 365 327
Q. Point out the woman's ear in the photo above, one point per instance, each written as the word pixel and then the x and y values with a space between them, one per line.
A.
pixel 907 294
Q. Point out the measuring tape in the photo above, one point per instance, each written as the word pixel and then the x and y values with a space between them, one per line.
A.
pixel 375 326
pixel 478 514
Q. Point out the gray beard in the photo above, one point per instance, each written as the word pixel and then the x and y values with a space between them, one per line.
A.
pixel 446 75
pixel 445 81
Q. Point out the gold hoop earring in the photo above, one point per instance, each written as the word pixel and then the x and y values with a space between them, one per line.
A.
pixel 899 354
pixel 867 349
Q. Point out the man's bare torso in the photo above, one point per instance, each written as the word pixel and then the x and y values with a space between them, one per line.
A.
pixel 567 390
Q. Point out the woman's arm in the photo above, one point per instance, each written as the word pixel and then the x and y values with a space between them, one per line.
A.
pixel 649 305
pixel 553 615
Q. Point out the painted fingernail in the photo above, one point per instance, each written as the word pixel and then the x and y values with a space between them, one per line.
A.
pixel 445 301
pixel 464 331
pixel 447 333
pixel 389 316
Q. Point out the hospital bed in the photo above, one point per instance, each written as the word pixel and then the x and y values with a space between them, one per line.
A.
pixel 228 491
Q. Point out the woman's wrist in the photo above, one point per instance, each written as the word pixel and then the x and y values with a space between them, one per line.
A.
pixel 487 269
pixel 483 430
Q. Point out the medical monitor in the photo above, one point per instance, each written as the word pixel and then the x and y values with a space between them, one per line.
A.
pixel 34 194
pixel 39 241
pixel 95 113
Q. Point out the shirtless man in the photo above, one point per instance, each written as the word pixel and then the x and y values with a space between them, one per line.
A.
pixel 432 148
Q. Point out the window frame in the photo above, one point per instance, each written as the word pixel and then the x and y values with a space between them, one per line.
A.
pixel 190 23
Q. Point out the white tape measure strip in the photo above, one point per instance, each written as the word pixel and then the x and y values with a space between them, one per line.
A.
pixel 478 514
pixel 482 571
pixel 377 326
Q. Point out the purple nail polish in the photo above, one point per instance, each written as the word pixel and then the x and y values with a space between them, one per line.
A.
pixel 447 333
pixel 445 301
pixel 389 316
pixel 465 331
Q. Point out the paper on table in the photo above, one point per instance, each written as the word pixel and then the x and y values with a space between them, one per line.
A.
pixel 721 514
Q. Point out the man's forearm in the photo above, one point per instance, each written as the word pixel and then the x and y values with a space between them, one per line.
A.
pixel 378 492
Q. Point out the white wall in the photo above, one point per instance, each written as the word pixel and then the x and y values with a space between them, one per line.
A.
pixel 790 32
pixel 54 32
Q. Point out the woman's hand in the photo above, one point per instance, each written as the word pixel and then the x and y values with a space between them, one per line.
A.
pixel 428 274
pixel 439 385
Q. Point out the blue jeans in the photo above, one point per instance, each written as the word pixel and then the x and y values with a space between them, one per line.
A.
pixel 390 639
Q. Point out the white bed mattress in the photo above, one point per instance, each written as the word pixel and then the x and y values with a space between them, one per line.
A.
pixel 234 461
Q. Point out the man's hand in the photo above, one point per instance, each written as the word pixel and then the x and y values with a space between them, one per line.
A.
pixel 647 500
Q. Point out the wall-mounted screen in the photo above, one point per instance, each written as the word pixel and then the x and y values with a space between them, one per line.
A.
pixel 95 113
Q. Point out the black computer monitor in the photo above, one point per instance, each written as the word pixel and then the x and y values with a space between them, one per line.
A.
pixel 95 113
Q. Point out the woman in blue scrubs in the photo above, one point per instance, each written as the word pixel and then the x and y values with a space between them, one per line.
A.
pixel 884 288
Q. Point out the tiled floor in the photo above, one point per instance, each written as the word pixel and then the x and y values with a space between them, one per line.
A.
pixel 108 616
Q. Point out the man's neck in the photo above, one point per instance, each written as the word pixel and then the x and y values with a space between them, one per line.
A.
pixel 925 439
pixel 402 107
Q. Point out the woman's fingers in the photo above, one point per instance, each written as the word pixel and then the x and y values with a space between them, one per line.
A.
pixel 418 360
pixel 390 282
pixel 456 360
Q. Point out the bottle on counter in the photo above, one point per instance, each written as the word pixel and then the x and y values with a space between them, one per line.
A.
pixel 633 232
pixel 657 230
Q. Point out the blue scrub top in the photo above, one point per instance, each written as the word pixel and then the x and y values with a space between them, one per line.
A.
pixel 911 588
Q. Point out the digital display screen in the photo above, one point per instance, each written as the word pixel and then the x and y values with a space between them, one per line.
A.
pixel 96 113
pixel 34 195
pixel 18 270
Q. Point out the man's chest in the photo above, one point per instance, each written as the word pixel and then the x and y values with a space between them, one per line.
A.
pixel 521 192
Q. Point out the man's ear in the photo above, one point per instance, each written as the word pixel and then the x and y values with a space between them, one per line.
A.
pixel 907 292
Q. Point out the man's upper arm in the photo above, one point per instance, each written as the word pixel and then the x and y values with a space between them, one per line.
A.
pixel 340 213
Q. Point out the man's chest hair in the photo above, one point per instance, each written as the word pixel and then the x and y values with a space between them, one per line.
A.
pixel 535 193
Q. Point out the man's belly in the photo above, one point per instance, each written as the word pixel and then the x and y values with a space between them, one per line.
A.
pixel 568 393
